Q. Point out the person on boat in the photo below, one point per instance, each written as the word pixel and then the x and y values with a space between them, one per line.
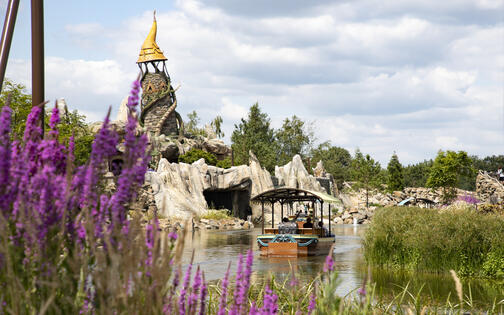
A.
pixel 308 223
pixel 287 227
pixel 324 229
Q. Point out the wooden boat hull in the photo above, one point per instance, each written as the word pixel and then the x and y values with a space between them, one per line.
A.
pixel 293 245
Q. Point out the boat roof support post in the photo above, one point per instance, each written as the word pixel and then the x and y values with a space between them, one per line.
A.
pixel 272 214
pixel 313 216
pixel 329 218
pixel 262 204
pixel 281 211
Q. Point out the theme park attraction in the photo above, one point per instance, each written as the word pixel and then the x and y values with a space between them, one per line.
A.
pixel 158 113
pixel 292 237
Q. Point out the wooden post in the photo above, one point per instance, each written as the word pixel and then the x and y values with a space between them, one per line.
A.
pixel 313 216
pixel 322 216
pixel 262 204
pixel 272 214
pixel 281 211
pixel 329 219
pixel 37 36
pixel 8 30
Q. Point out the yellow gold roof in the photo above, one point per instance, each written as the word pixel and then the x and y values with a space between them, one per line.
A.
pixel 150 50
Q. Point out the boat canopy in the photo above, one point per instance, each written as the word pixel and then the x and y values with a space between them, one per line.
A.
pixel 288 195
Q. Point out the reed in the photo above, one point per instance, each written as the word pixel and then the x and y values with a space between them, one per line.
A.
pixel 435 240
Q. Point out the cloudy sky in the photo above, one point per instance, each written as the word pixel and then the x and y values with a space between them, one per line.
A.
pixel 383 76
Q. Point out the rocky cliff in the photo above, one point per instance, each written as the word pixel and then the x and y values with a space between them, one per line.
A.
pixel 488 188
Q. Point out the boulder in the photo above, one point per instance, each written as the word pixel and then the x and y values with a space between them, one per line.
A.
pixel 295 175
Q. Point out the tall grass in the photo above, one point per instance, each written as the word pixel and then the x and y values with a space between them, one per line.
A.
pixel 437 240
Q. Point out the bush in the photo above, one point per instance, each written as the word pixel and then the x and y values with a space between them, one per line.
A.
pixel 194 155
pixel 437 241
pixel 216 215
pixel 226 163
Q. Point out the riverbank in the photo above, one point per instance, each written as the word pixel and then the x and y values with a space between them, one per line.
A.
pixel 437 240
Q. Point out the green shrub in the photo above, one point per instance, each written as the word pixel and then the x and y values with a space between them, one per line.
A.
pixel 216 215
pixel 193 155
pixel 226 163
pixel 437 240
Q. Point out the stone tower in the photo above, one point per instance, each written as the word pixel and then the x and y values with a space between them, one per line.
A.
pixel 158 113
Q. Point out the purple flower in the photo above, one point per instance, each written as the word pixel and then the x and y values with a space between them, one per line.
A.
pixel 329 264
pixel 362 291
pixel 223 298
pixel 269 302
pixel 203 297
pixel 183 292
pixel 313 304
pixel 173 235
pixel 193 297
pixel 469 199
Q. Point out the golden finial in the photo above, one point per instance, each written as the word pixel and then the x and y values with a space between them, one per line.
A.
pixel 150 50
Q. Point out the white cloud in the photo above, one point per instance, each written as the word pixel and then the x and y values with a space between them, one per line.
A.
pixel 413 77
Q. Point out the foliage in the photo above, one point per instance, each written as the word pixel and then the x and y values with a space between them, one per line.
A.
pixel 436 240
pixel 254 134
pixel 337 161
pixel 191 126
pixel 446 171
pixel 216 125
pixel 71 123
pixel 225 163
pixel 415 175
pixel 294 137
pixel 366 173
pixel 395 179
pixel 216 215
pixel 194 155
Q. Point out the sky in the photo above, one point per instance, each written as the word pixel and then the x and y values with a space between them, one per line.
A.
pixel 411 77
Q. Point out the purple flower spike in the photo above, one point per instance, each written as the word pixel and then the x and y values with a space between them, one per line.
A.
pixel 269 302
pixel 203 297
pixel 329 264
pixel 223 299
pixel 183 292
pixel 313 304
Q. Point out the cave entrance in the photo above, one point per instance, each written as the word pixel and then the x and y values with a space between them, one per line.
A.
pixel 237 201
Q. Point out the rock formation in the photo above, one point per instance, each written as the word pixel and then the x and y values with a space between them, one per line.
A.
pixel 179 189
pixel 488 188
pixel 294 174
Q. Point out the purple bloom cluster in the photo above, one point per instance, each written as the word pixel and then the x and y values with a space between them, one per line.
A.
pixel 469 199
pixel 329 264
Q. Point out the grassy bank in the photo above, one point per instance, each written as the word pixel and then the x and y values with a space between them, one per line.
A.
pixel 437 240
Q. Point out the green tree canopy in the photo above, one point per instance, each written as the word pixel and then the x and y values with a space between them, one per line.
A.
pixel 294 137
pixel 415 175
pixel 70 122
pixel 366 173
pixel 395 179
pixel 447 170
pixel 254 133
pixel 337 161
pixel 216 125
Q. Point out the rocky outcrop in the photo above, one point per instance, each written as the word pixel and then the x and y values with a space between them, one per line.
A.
pixel 178 188
pixel 488 188
pixel 171 147
pixel 294 174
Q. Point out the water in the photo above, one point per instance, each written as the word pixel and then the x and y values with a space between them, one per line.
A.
pixel 214 250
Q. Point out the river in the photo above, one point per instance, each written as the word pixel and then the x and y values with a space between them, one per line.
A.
pixel 214 250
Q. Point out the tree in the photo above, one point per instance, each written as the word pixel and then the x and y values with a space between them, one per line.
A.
pixel 254 133
pixel 194 155
pixel 192 125
pixel 395 179
pixel 415 175
pixel 71 123
pixel 20 105
pixel 294 137
pixel 337 161
pixel 216 126
pixel 446 171
pixel 366 173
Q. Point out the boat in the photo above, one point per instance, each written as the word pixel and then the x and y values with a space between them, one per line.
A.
pixel 291 239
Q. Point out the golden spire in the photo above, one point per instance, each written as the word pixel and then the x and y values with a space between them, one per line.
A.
pixel 150 50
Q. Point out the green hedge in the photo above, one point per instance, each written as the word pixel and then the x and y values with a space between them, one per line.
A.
pixel 437 240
